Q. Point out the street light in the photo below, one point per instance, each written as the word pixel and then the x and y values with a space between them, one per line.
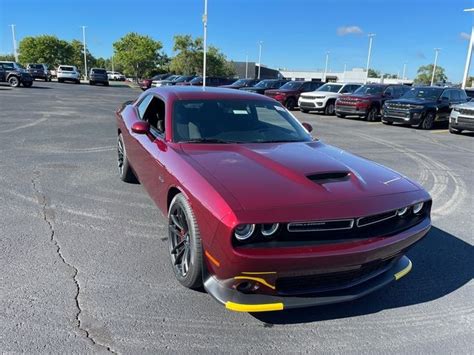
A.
pixel 246 66
pixel 259 57
pixel 326 67
pixel 204 21
pixel 434 65
pixel 15 53
pixel 371 37
pixel 469 54
pixel 85 51
pixel 404 70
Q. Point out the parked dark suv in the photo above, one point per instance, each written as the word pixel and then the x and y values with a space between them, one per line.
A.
pixel 241 83
pixel 98 76
pixel 210 81
pixel 39 71
pixel 266 85
pixel 14 74
pixel 423 106
pixel 368 100
pixel 289 93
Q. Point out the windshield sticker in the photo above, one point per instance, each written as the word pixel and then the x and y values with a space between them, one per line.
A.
pixel 240 112
pixel 279 108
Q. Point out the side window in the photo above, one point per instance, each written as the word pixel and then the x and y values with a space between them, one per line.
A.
pixel 314 85
pixel 463 95
pixel 155 114
pixel 306 87
pixel 456 95
pixel 143 106
pixel 446 95
pixel 346 89
pixel 389 92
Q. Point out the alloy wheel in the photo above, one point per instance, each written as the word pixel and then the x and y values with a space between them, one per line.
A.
pixel 120 155
pixel 180 240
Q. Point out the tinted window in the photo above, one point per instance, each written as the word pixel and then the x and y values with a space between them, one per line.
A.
pixel 463 95
pixel 446 95
pixel 36 66
pixel 424 93
pixel 142 106
pixel 330 87
pixel 99 71
pixel 155 114
pixel 8 66
pixel 389 91
pixel 235 121
pixel 292 85
pixel 66 68
pixel 369 90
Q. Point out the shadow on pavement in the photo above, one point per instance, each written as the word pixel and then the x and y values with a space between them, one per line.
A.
pixel 442 263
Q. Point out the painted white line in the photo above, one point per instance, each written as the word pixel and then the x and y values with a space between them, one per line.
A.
pixel 26 125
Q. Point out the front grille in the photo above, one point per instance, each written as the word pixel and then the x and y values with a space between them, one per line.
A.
pixel 466 112
pixel 392 113
pixel 320 225
pixel 306 104
pixel 298 285
pixel 399 106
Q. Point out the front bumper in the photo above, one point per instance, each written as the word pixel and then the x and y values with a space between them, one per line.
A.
pixel 242 302
pixel 461 121
pixel 311 105
pixel 411 117
pixel 351 110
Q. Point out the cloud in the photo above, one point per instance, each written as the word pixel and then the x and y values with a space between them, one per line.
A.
pixel 420 55
pixel 465 36
pixel 349 30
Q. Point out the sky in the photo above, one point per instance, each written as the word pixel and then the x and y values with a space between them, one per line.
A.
pixel 296 34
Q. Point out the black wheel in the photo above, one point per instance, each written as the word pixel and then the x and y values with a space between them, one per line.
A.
pixel 290 104
pixel 454 130
pixel 330 108
pixel 91 82
pixel 184 243
pixel 106 84
pixel 428 121
pixel 28 84
pixel 340 115
pixel 78 81
pixel 303 110
pixel 371 116
pixel 125 170
pixel 14 81
pixel 60 80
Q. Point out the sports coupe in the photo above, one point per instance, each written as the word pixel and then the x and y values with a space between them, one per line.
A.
pixel 260 213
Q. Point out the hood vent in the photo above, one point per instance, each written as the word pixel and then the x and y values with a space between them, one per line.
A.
pixel 325 178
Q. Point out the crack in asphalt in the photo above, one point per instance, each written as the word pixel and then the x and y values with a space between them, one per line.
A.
pixel 47 217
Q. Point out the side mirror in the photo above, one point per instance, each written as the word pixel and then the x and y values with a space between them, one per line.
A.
pixel 141 127
pixel 308 127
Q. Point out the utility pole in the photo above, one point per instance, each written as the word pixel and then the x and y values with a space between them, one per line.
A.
pixel 15 52
pixel 204 21
pixel 85 51
pixel 326 67
pixel 259 57
pixel 469 54
pixel 246 66
pixel 434 65
pixel 344 75
pixel 404 70
pixel 371 37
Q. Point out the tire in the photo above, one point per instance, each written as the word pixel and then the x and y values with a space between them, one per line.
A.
pixel 106 84
pixel 330 108
pixel 125 170
pixel 78 81
pixel 371 116
pixel 387 123
pixel 340 115
pixel 60 80
pixel 91 82
pixel 28 84
pixel 185 246
pixel 290 103
pixel 428 121
pixel 454 130
pixel 303 110
pixel 14 81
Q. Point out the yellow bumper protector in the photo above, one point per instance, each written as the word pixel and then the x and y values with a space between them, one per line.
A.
pixel 403 272
pixel 258 279
pixel 264 307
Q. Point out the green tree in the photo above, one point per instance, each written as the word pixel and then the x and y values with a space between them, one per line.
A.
pixel 7 57
pixel 374 73
pixel 189 59
pixel 45 49
pixel 470 81
pixel 137 54
pixel 77 56
pixel 425 73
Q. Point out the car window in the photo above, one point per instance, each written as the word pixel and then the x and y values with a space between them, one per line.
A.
pixel 8 66
pixel 389 91
pixel 456 95
pixel 315 85
pixel 463 95
pixel 446 95
pixel 306 87
pixel 99 71
pixel 142 106
pixel 155 114
pixel 66 68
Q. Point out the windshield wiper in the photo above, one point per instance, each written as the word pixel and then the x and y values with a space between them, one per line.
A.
pixel 208 140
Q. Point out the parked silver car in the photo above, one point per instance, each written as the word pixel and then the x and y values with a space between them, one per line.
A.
pixel 462 118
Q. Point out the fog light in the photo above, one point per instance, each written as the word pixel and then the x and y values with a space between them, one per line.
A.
pixel 402 211
pixel 417 208
pixel 244 231
pixel 269 229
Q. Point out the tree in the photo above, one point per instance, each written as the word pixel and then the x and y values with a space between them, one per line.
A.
pixel 137 54
pixel 189 59
pixel 45 49
pixel 374 73
pixel 7 57
pixel 77 55
pixel 470 81
pixel 425 73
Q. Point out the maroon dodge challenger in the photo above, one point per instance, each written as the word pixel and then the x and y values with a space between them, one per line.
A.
pixel 261 214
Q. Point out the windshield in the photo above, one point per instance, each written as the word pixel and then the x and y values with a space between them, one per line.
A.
pixel 183 78
pixel 240 82
pixel 36 66
pixel 423 93
pixel 292 85
pixel 99 71
pixel 235 121
pixel 196 80
pixel 330 88
pixel 369 90
pixel 265 84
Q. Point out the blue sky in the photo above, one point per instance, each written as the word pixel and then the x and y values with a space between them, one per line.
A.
pixel 296 33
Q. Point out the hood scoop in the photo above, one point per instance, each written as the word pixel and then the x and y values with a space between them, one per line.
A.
pixel 329 177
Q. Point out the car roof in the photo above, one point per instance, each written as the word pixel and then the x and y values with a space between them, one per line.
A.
pixel 196 93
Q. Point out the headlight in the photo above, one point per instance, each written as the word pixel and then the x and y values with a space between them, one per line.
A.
pixel 244 231
pixel 417 207
pixel 269 229
pixel 455 109
pixel 402 211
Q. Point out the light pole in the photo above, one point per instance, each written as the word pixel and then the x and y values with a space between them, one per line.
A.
pixel 15 53
pixel 371 37
pixel 404 70
pixel 469 54
pixel 204 21
pixel 246 66
pixel 85 50
pixel 434 65
pixel 326 67
pixel 259 57
pixel 344 74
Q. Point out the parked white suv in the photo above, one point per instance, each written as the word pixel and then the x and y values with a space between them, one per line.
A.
pixel 324 98
pixel 68 73
pixel 115 75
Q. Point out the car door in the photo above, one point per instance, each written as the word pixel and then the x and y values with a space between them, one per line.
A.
pixel 2 73
pixel 149 148
pixel 444 106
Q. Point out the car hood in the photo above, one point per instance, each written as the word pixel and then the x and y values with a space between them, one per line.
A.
pixel 278 174
pixel 412 101
pixel 283 91
pixel 320 93
pixel 362 96
pixel 469 105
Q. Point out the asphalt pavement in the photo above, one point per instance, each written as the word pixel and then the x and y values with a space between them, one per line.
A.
pixel 84 262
